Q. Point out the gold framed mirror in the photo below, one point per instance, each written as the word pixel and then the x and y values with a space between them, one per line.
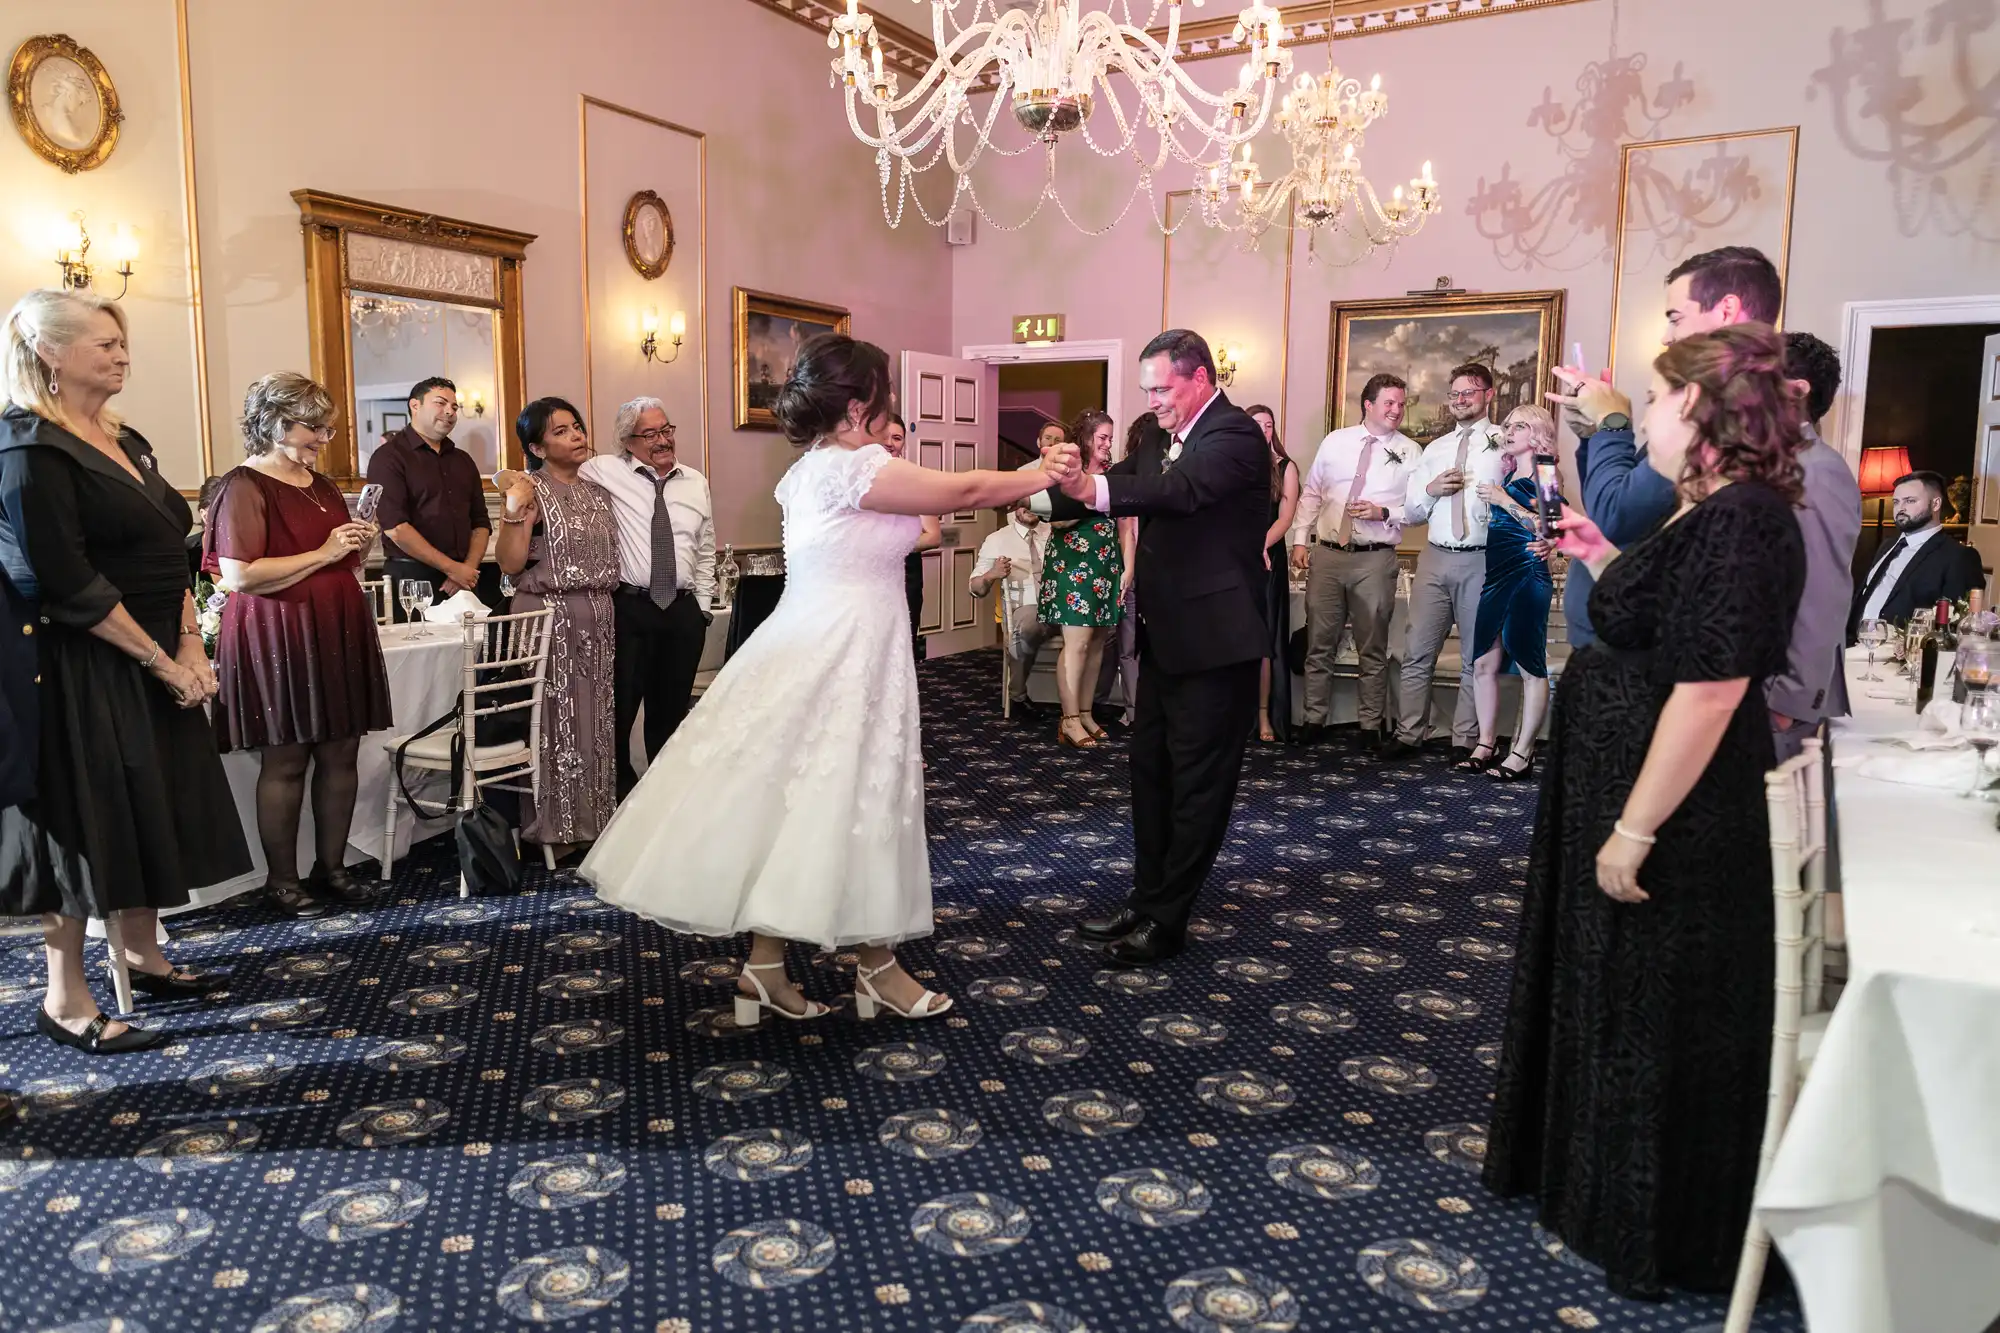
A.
pixel 394 296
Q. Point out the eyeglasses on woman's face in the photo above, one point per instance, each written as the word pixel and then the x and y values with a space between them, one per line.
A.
pixel 320 433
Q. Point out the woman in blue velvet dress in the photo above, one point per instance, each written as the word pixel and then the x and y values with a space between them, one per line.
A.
pixel 1512 627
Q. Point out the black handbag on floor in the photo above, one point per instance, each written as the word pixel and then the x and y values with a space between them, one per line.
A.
pixel 487 857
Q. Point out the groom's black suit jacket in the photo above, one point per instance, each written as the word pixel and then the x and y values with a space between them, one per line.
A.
pixel 1200 576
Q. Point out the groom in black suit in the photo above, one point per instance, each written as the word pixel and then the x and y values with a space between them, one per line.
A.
pixel 1201 489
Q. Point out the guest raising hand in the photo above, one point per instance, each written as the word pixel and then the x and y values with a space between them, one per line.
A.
pixel 1632 1077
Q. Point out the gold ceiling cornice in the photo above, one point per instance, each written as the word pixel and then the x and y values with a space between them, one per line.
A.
pixel 911 52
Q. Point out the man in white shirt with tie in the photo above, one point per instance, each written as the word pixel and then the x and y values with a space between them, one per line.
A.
pixel 1011 556
pixel 666 572
pixel 1444 492
pixel 1344 535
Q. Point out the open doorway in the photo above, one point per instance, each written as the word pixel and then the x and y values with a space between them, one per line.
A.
pixel 1928 386
pixel 1034 394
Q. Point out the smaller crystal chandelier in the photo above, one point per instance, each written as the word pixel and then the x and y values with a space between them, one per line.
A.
pixel 1325 121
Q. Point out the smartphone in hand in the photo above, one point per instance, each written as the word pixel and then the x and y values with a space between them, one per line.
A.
pixel 369 501
pixel 1548 495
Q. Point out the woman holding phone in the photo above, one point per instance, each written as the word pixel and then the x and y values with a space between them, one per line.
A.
pixel 297 657
pixel 1512 627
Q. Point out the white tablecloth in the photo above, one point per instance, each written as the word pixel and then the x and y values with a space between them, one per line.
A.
pixel 1885 1195
pixel 425 676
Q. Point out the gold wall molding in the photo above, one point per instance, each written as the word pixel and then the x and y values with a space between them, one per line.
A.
pixel 584 103
pixel 911 52
pixel 196 319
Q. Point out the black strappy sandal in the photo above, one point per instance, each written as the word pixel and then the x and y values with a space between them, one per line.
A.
pixel 1501 773
pixel 92 1040
pixel 1472 763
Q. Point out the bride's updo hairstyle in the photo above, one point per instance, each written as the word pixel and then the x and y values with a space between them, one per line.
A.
pixel 833 370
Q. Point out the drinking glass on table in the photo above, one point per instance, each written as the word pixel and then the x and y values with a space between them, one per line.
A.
pixel 1976 659
pixel 426 594
pixel 1979 723
pixel 1874 633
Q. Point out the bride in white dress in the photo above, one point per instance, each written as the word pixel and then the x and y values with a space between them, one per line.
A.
pixel 790 803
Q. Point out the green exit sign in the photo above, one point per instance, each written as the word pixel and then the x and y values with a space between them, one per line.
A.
pixel 1038 328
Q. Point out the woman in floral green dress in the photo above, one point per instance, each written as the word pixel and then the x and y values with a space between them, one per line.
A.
pixel 1085 575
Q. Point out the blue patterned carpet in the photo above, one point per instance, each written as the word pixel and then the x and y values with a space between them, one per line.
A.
pixel 443 1115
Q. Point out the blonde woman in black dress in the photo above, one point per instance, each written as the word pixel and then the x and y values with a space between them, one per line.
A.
pixel 133 812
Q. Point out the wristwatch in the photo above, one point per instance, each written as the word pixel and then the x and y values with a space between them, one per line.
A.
pixel 1615 421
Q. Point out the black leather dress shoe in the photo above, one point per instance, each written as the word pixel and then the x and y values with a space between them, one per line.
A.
pixel 290 898
pixel 337 886
pixel 176 983
pixel 1311 733
pixel 1396 747
pixel 1105 929
pixel 1149 943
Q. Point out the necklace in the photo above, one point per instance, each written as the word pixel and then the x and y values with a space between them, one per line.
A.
pixel 307 490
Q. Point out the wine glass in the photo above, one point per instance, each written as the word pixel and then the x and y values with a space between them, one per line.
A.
pixel 426 594
pixel 1874 633
pixel 406 597
pixel 1979 723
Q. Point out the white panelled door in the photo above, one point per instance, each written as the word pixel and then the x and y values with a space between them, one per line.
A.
pixel 951 407
pixel 1984 534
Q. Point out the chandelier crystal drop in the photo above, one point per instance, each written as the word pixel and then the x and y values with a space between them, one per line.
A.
pixel 1325 123
pixel 1060 70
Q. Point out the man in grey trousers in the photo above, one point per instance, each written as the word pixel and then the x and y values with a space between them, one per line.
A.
pixel 1444 491
pixel 1344 536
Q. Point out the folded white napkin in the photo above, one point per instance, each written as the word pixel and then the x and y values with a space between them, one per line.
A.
pixel 1937 768
pixel 453 608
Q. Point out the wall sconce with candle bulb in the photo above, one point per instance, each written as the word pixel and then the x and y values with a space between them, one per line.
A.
pixel 473 403
pixel 649 346
pixel 1226 364
pixel 72 240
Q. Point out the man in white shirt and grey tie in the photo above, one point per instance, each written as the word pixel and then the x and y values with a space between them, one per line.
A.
pixel 1011 556
pixel 1444 492
pixel 666 572
pixel 1344 535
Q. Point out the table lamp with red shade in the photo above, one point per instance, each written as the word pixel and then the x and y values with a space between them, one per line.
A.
pixel 1880 466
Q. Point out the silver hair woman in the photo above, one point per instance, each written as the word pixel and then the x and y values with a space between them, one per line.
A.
pixel 300 667
pixel 1511 631
pixel 132 810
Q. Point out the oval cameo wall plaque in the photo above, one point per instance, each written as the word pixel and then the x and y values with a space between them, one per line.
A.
pixel 63 102
pixel 649 234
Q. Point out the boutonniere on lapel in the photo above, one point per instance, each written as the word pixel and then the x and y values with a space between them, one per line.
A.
pixel 1492 441
pixel 1394 454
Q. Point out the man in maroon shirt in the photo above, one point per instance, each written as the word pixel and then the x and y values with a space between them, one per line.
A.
pixel 433 506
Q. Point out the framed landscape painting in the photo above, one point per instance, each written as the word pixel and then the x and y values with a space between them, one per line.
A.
pixel 1421 338
pixel 768 333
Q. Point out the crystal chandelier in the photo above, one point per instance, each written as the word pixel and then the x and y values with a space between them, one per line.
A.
pixel 1325 122
pixel 1060 70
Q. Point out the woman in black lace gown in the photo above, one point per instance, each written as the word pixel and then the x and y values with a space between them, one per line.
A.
pixel 1633 1074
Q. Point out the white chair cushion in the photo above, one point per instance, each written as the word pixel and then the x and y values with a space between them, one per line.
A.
pixel 434 751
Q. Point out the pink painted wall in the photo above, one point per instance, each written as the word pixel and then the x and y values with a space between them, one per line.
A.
pixel 1480 98
pixel 469 108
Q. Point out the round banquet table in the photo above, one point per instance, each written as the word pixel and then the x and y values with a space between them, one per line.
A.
pixel 425 676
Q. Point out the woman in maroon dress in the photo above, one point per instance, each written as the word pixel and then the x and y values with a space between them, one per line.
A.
pixel 298 659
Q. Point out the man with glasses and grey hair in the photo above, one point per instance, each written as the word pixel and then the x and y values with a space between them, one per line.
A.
pixel 666 572
pixel 1444 492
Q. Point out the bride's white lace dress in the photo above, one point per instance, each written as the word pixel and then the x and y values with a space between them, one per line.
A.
pixel 791 800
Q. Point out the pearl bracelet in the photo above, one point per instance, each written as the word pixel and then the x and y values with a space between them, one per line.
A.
pixel 1618 827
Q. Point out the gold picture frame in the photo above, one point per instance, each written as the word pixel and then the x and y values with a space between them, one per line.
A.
pixel 1420 339
pixel 51 83
pixel 1722 176
pixel 649 234
pixel 766 334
